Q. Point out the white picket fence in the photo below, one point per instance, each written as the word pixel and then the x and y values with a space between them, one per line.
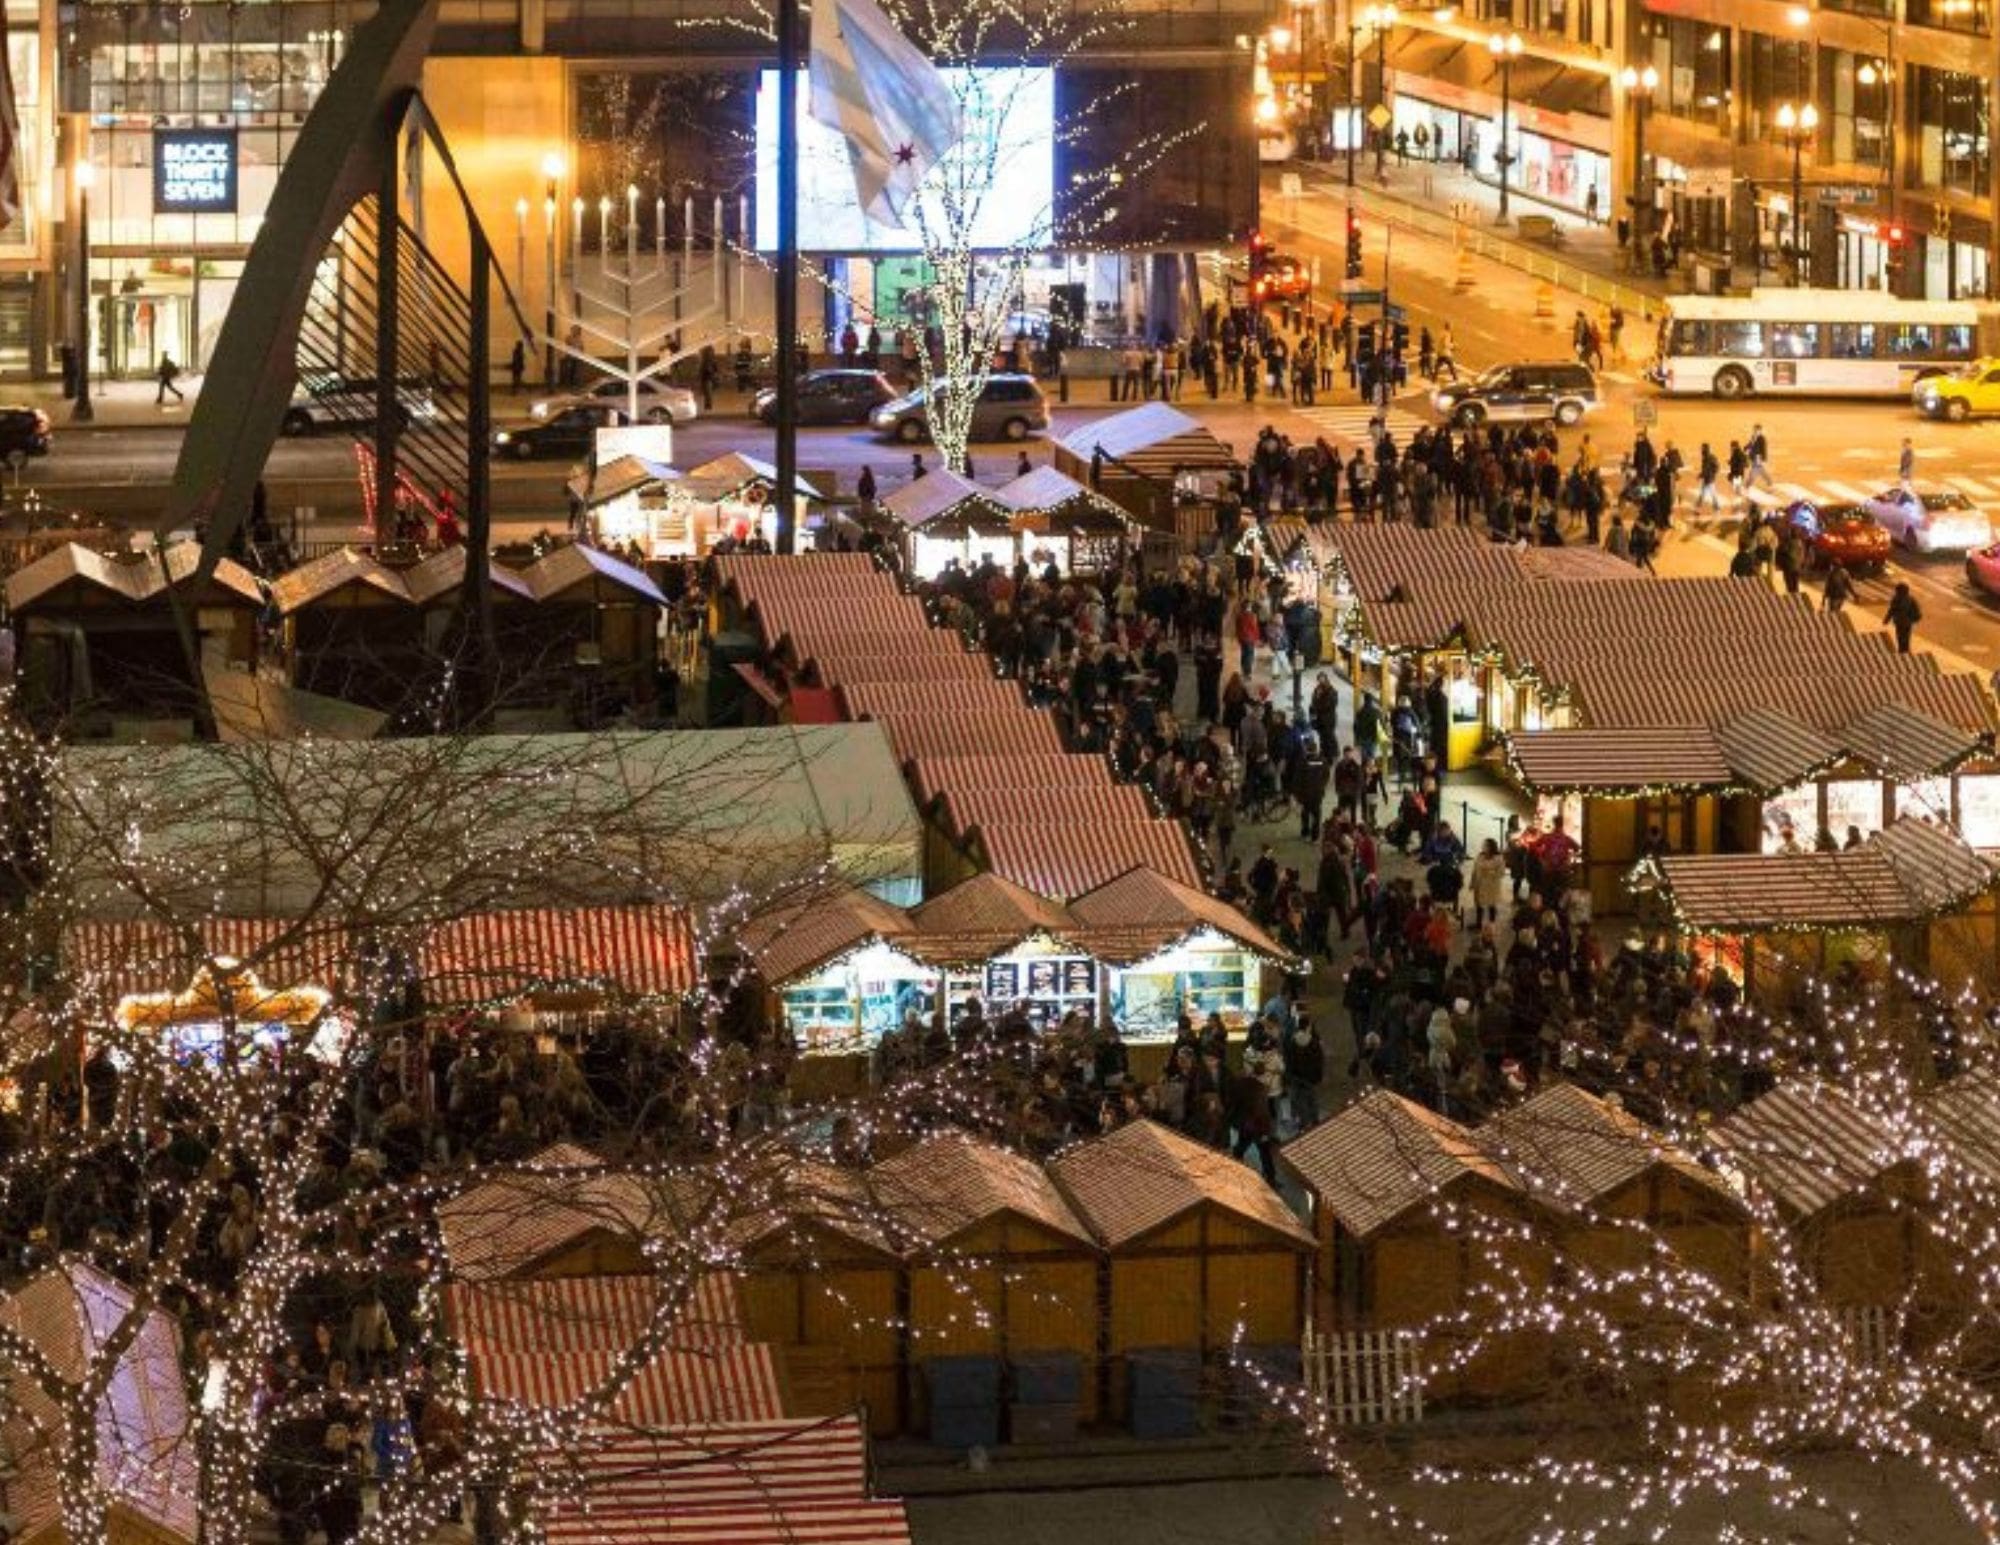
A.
pixel 1365 1376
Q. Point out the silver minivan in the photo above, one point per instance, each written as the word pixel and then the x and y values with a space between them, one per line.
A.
pixel 1011 407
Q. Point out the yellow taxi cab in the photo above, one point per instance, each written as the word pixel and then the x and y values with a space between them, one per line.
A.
pixel 1971 390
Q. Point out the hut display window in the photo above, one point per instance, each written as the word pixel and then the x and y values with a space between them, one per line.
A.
pixel 1195 979
pixel 1927 799
pixel 1568 806
pixel 821 1013
pixel 1855 802
pixel 1048 986
pixel 1979 809
pixel 1797 811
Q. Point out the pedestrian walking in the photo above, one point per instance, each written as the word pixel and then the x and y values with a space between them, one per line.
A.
pixel 166 375
pixel 1757 452
pixel 1903 615
pixel 1709 471
pixel 1906 465
pixel 517 367
pixel 1839 589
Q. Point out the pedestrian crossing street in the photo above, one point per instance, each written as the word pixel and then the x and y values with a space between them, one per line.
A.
pixel 1984 492
pixel 1346 424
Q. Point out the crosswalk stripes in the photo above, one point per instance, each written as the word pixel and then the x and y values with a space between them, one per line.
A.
pixel 1347 423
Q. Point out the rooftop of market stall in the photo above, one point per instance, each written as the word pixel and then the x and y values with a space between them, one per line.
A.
pixel 1146 460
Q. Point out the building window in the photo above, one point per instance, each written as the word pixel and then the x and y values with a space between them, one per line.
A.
pixel 1693 60
pixel 1953 148
pixel 1854 106
pixel 1952 15
pixel 1776 70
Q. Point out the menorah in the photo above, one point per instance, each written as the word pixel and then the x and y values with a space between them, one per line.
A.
pixel 630 316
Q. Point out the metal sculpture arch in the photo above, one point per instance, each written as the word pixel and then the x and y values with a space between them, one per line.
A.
pixel 340 198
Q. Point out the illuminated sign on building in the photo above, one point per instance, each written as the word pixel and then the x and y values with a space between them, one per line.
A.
pixel 194 171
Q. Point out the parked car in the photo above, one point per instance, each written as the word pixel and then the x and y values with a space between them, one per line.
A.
pixel 568 432
pixel 659 402
pixel 1010 407
pixel 1524 393
pixel 830 397
pixel 1931 518
pixel 24 431
pixel 1973 390
pixel 1839 535
pixel 324 403
pixel 1982 570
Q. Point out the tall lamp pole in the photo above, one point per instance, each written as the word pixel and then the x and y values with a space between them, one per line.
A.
pixel 1639 88
pixel 1506 49
pixel 81 410
pixel 1797 125
pixel 1382 18
pixel 1353 96
pixel 552 170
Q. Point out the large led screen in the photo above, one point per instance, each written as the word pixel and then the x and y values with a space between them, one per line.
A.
pixel 1011 124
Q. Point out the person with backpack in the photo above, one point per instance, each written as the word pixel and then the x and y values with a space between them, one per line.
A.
pixel 1903 615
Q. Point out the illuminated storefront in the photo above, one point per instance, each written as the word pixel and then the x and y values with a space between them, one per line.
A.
pixel 215 87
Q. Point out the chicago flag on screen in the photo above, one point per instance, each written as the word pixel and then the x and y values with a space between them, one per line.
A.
pixel 890 103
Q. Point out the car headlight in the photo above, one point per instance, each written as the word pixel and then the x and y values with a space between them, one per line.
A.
pixel 883 418
pixel 502 438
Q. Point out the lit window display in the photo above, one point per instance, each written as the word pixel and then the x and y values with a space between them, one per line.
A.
pixel 1855 803
pixel 196 1024
pixel 1979 809
pixel 855 1002
pixel 1795 811
pixel 1927 799
pixel 1207 975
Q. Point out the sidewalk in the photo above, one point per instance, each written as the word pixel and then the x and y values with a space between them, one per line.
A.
pixel 116 404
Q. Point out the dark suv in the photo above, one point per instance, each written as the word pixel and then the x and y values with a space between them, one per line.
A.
pixel 830 397
pixel 1010 407
pixel 1515 394
pixel 324 403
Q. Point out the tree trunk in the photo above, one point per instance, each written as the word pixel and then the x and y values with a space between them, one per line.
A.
pixel 86 1506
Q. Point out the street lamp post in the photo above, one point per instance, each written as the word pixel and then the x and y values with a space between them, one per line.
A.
pixel 1639 88
pixel 1381 18
pixel 552 170
pixel 1797 125
pixel 1506 50
pixel 1353 102
pixel 81 410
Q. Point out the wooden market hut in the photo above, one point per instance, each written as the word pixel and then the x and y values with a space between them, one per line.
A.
pixel 944 518
pixel 561 1214
pixel 1058 520
pixel 1732 787
pixel 146 1461
pixel 996 1262
pixel 1619 1187
pixel 102 632
pixel 822 1280
pixel 1398 1194
pixel 353 630
pixel 1779 921
pixel 594 621
pixel 1200 1252
pixel 1845 1187
pixel 1136 458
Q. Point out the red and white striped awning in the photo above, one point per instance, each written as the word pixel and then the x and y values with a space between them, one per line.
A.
pixel 679 1387
pixel 637 1478
pixel 112 960
pixel 640 951
pixel 590 1314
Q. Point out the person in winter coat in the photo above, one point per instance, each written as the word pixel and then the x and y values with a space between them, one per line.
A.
pixel 1489 883
pixel 1305 1071
pixel 1903 615
pixel 1309 780
pixel 1251 1119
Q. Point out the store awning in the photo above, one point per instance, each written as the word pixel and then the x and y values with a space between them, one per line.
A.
pixel 113 960
pixel 635 951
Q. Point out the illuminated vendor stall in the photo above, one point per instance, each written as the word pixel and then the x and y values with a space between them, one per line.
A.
pixel 1782 922
pixel 636 503
pixel 945 519
pixel 1057 520
pixel 1150 461
pixel 1174 950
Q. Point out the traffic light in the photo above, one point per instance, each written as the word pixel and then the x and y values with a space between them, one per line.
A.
pixel 1258 253
pixel 1895 250
pixel 1353 245
pixel 1399 335
pixel 1364 341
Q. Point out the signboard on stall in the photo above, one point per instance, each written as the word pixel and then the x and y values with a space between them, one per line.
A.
pixel 649 442
pixel 194 171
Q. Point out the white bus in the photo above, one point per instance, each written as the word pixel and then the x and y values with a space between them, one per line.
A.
pixel 1846 343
